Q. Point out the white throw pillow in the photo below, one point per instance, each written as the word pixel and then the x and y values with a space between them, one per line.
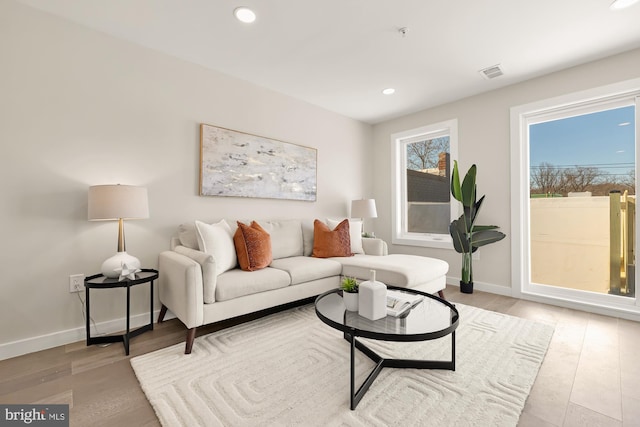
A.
pixel 286 237
pixel 187 235
pixel 216 240
pixel 355 233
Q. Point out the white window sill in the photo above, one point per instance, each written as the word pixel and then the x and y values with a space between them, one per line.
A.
pixel 439 241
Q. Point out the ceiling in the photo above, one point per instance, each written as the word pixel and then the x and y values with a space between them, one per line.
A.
pixel 341 54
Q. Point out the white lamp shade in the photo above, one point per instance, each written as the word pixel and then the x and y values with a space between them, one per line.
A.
pixel 109 202
pixel 364 208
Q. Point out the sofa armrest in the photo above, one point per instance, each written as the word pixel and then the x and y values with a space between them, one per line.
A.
pixel 374 246
pixel 209 274
pixel 180 287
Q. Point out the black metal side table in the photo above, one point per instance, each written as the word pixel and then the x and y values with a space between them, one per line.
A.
pixel 98 281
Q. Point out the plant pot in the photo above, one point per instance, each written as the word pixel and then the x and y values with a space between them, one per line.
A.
pixel 466 288
pixel 350 300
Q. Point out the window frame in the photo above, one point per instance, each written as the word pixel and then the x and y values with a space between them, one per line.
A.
pixel 579 103
pixel 399 233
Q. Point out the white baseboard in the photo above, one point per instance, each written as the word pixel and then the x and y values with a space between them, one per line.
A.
pixel 482 286
pixel 55 339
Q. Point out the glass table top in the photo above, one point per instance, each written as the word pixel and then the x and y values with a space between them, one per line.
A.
pixel 431 318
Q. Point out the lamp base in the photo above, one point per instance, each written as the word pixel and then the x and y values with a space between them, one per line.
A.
pixel 109 266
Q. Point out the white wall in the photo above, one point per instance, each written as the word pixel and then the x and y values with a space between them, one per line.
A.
pixel 79 108
pixel 484 139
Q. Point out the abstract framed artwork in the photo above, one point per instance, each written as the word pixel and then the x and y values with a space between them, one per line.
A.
pixel 238 164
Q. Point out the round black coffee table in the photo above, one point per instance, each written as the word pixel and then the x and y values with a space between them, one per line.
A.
pixel 432 318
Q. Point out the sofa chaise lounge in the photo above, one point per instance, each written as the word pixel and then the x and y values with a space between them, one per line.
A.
pixel 200 282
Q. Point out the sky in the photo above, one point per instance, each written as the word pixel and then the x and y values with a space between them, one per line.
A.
pixel 603 139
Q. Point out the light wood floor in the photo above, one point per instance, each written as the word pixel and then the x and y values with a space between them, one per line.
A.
pixel 590 376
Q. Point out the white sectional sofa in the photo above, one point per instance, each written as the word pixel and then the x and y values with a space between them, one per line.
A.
pixel 198 291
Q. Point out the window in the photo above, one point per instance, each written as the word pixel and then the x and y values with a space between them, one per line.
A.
pixel 582 198
pixel 573 197
pixel 421 165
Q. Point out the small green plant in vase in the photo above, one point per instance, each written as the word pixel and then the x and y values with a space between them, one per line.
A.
pixel 349 286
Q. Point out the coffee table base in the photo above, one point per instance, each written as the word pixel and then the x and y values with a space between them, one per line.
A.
pixel 382 362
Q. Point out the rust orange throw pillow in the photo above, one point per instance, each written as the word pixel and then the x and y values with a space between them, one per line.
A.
pixel 329 243
pixel 253 246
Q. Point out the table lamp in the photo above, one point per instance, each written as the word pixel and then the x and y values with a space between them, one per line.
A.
pixel 364 208
pixel 118 202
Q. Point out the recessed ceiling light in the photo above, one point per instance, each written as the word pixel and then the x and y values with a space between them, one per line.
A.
pixel 622 4
pixel 624 124
pixel 244 14
pixel 389 91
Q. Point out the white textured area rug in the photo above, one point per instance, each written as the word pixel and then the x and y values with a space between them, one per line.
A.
pixel 291 369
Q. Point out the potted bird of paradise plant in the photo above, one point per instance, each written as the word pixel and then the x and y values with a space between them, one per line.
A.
pixel 466 234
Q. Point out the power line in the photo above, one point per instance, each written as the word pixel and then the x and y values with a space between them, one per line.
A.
pixel 601 164
pixel 596 165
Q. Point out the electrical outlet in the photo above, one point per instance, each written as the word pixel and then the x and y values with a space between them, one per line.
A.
pixel 76 283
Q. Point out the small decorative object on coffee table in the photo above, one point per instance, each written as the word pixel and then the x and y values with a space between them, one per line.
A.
pixel 349 286
pixel 99 281
pixel 430 318
pixel 373 298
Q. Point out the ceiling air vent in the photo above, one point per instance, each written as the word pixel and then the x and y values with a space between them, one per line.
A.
pixel 492 72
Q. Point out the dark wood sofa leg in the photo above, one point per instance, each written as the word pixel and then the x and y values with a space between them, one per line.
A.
pixel 441 294
pixel 163 312
pixel 191 335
